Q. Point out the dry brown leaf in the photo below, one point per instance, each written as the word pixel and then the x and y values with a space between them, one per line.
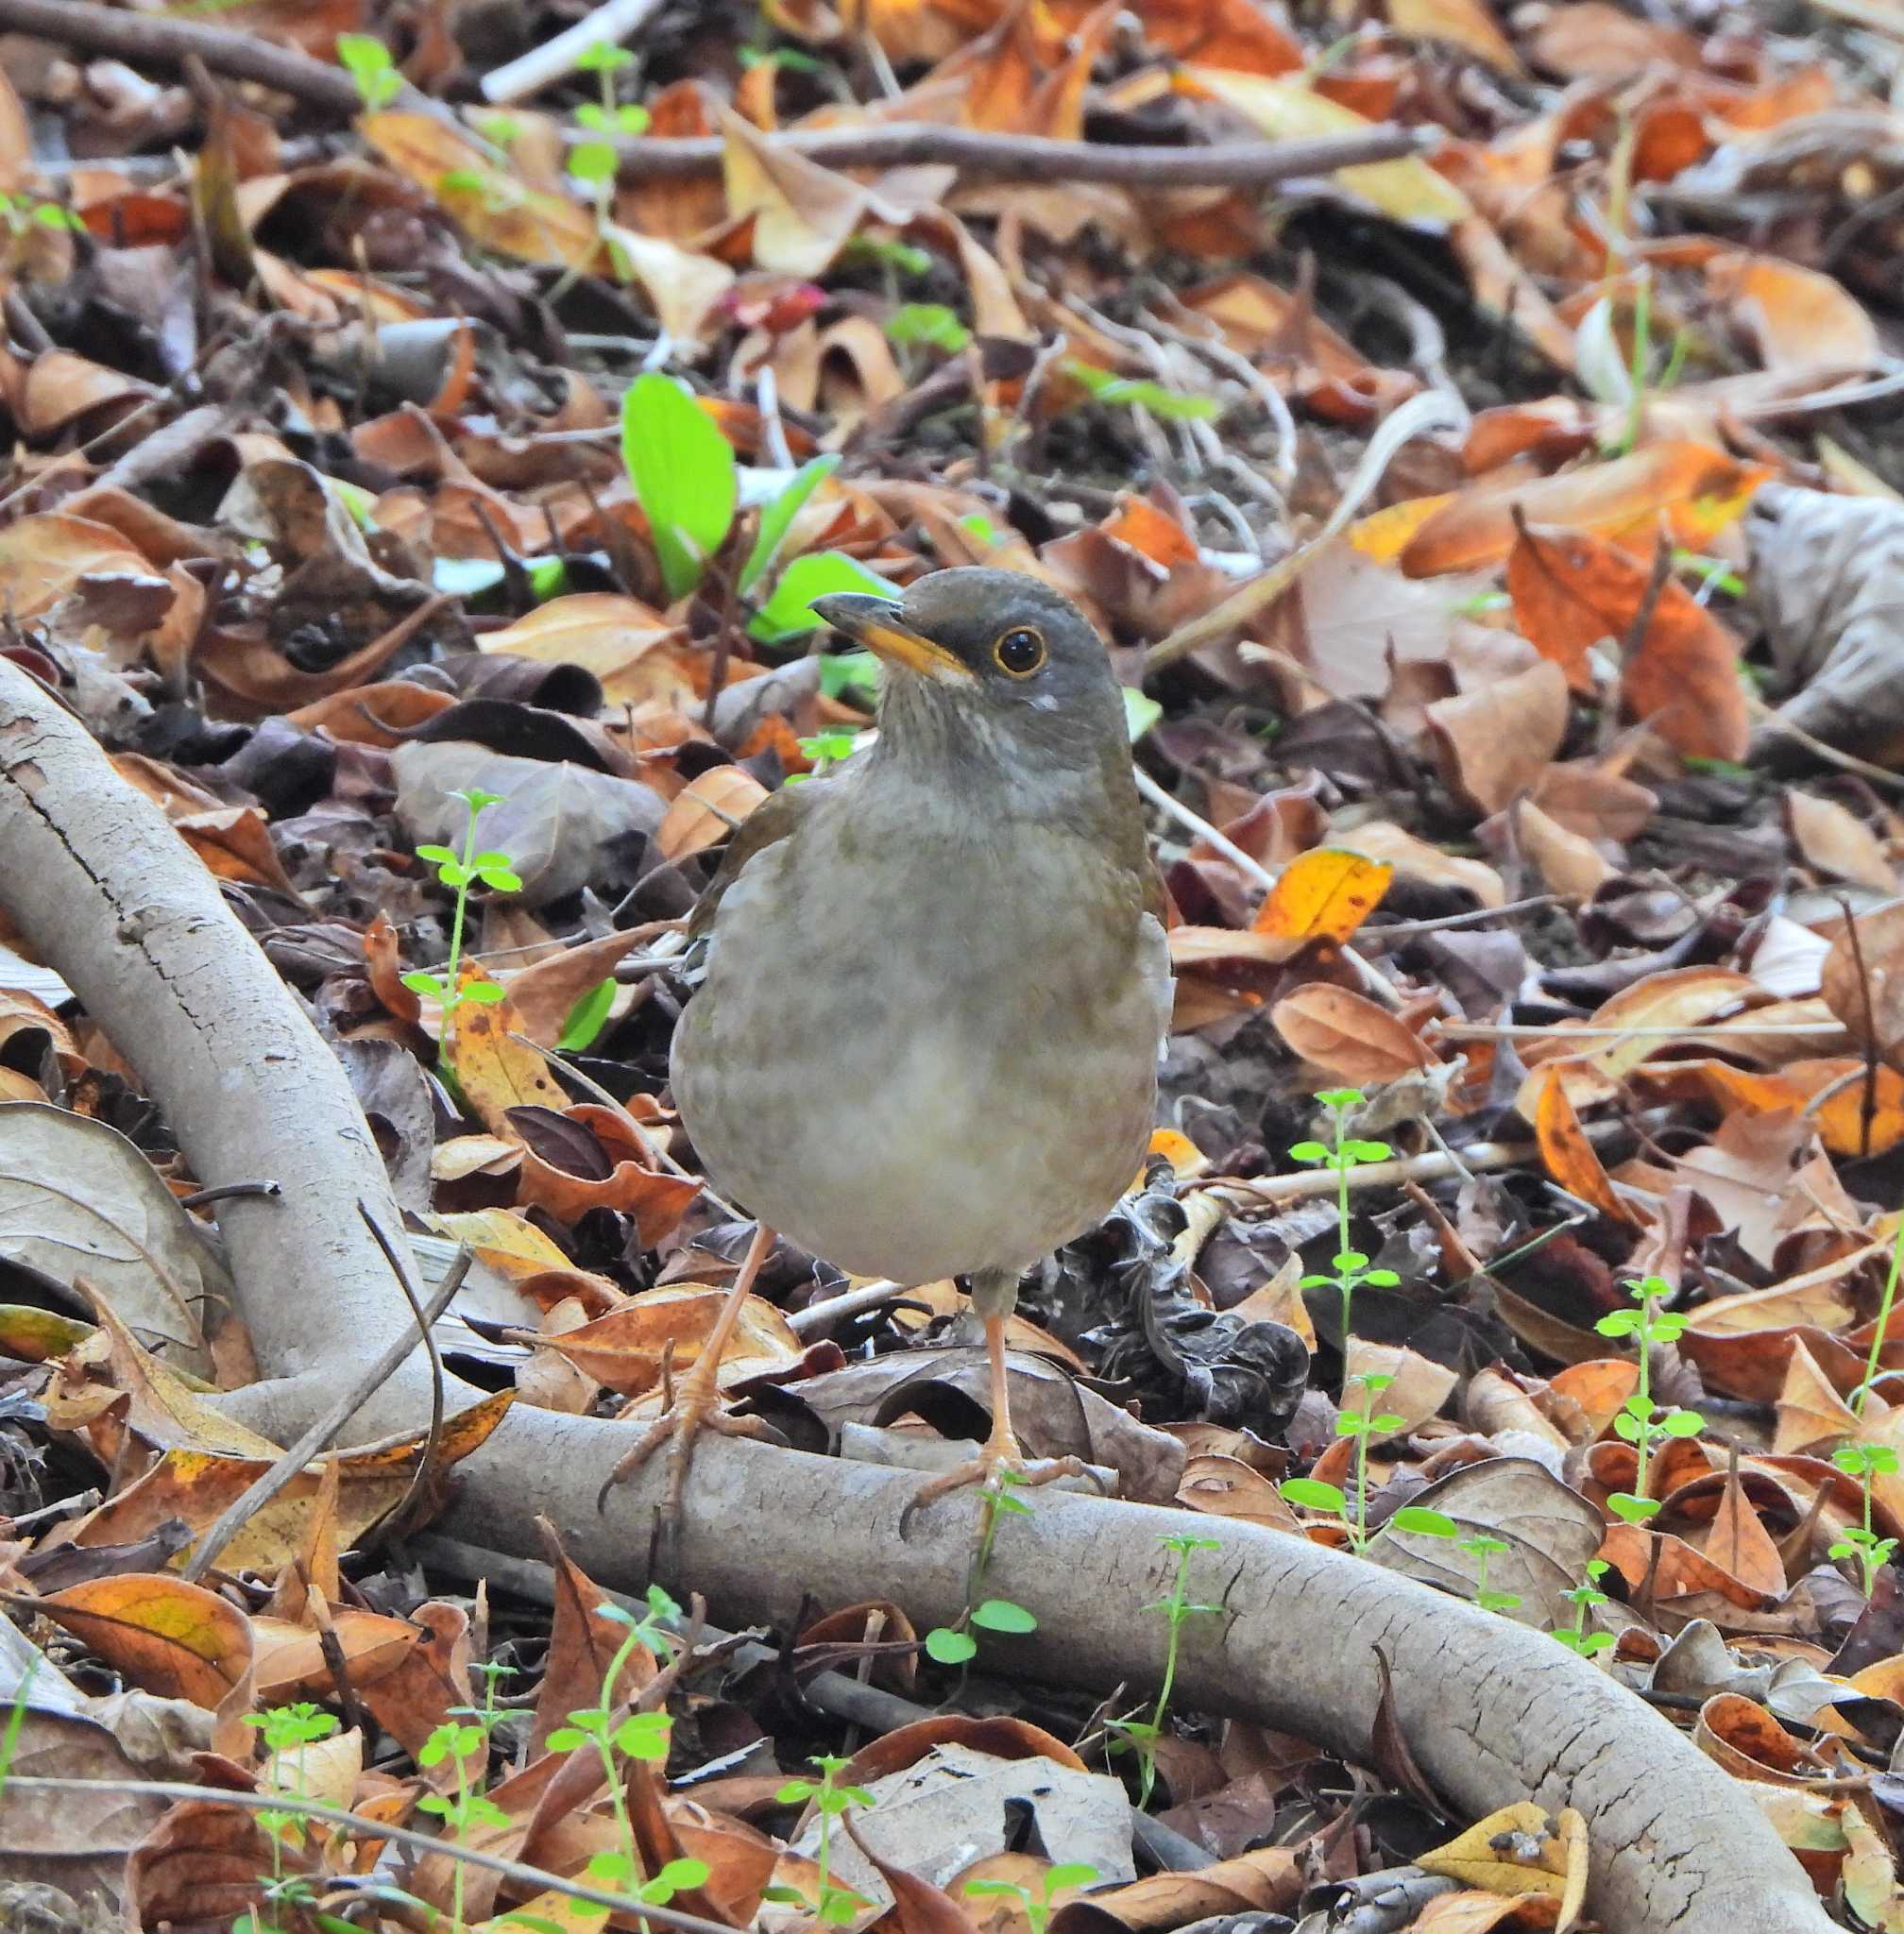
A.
pixel 1831 841
pixel 1495 741
pixel 1348 1035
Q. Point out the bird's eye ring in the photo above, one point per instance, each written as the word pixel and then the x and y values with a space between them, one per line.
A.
pixel 1019 652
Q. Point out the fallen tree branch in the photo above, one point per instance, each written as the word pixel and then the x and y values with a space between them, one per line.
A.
pixel 1491 1710
pixel 1033 158
pixel 162 41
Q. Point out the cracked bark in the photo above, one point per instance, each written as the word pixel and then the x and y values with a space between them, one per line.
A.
pixel 1493 1712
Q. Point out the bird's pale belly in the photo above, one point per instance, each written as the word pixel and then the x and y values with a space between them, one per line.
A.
pixel 947 1118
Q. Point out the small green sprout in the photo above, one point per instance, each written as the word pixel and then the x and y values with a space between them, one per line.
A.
pixel 839 1907
pixel 1140 393
pixel 1179 1609
pixel 1344 1153
pixel 1638 1421
pixel 927 325
pixel 1037 1908
pixel 953 1645
pixel 1884 1307
pixel 1865 1462
pixel 370 66
pixel 1584 1598
pixel 889 252
pixel 459 872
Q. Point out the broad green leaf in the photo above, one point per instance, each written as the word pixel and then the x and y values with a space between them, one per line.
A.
pixel 778 517
pixel 584 1021
pixel 683 472
pixel 1313 1495
pixel 950 1648
pixel 1424 1522
pixel 930 322
pixel 1002 1615
pixel 790 614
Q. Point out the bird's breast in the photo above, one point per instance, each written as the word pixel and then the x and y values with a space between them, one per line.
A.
pixel 924 1055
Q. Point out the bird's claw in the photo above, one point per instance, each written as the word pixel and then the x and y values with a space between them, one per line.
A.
pixel 996 1467
pixel 695 1409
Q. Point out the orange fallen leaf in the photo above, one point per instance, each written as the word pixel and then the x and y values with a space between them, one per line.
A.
pixel 1324 895
pixel 1568 1155
pixel 1573 590
pixel 1700 490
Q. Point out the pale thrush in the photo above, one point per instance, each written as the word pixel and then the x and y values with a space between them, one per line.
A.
pixel 935 982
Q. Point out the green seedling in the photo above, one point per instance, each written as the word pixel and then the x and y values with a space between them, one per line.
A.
pixel 286 1729
pixel 1865 1462
pixel 594 163
pixel 839 1907
pixel 1584 1598
pixel 16 1719
pixel 777 519
pixel 788 614
pixel 1639 1420
pixel 850 676
pixel 1478 1545
pixel 684 475
pixel 468 1807
pixel 689 486
pixel 954 1645
pixel 1179 1609
pixel 368 62
pixel 1863 1390
pixel 459 872
pixel 1037 1908
pixel 1481 1548
pixel 826 749
pixel 1140 393
pixel 24 212
pixel 927 325
pixel 791 59
pixel 1344 1153
pixel 638 1735
pixel 904 258
pixel 1361 1425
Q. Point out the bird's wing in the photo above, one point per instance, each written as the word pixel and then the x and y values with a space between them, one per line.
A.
pixel 774 819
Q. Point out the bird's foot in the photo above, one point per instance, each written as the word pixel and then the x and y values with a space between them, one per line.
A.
pixel 1000 1466
pixel 694 1407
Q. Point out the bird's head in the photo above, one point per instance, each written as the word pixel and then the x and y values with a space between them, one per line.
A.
pixel 991 667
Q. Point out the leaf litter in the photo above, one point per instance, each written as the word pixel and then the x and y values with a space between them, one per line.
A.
pixel 1536 780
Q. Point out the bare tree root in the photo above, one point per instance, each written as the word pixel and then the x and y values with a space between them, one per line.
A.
pixel 1493 1711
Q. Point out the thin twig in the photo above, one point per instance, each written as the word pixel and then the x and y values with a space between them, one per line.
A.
pixel 829 1310
pixel 1437 1167
pixel 534 1878
pixel 612 22
pixel 307 1446
pixel 1032 158
pixel 1431 410
pixel 1845 762
pixel 425 1323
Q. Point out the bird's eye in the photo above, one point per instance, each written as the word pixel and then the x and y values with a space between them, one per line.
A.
pixel 1019 651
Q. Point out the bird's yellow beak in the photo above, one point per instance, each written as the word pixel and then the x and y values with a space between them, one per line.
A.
pixel 872 621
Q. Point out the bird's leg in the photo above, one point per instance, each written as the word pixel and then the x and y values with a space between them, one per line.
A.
pixel 696 1402
pixel 1000 1451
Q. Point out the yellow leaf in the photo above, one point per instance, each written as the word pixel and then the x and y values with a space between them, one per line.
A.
pixel 1517 1850
pixel 1324 895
